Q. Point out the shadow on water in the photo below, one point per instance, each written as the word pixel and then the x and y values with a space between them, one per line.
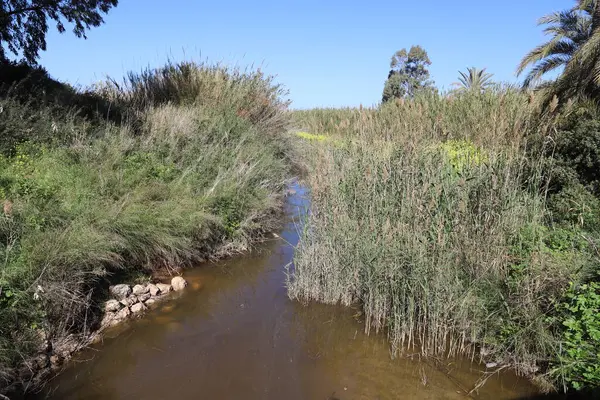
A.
pixel 234 334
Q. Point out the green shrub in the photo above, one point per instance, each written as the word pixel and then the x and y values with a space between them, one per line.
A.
pixel 575 156
pixel 577 364
pixel 576 206
pixel 462 154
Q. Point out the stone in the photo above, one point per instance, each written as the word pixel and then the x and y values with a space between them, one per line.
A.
pixel 42 361
pixel 178 283
pixel 113 318
pixel 44 340
pixel 45 346
pixel 150 302
pixel 129 301
pixel 120 291
pixel 491 365
pixel 109 320
pixel 124 313
pixel 139 307
pixel 143 297
pixel 95 338
pixel 168 308
pixel 67 346
pixel 112 306
pixel 164 287
pixel 153 289
pixel 140 289
pixel 55 360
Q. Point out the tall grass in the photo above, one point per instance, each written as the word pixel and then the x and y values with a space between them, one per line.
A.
pixel 428 214
pixel 197 170
pixel 496 118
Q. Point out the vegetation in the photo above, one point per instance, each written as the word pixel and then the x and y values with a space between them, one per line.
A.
pixel 474 79
pixel 574 48
pixel 469 222
pixel 460 228
pixel 195 169
pixel 578 359
pixel 462 223
pixel 408 74
pixel 24 23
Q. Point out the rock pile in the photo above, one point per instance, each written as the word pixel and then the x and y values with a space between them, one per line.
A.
pixel 128 301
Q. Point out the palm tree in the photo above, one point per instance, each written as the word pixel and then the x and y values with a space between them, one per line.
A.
pixel 474 79
pixel 575 47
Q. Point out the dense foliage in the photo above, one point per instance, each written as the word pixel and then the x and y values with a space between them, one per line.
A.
pixel 408 74
pixel 573 48
pixel 577 362
pixel 24 23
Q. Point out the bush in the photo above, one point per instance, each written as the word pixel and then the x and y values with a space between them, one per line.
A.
pixel 575 157
pixel 32 88
pixel 462 154
pixel 577 364
pixel 574 205
pixel 220 92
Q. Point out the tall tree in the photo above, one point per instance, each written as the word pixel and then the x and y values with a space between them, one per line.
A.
pixel 575 47
pixel 474 80
pixel 24 23
pixel 408 74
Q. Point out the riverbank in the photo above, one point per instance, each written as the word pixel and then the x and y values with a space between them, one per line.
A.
pixel 240 337
pixel 444 220
pixel 164 170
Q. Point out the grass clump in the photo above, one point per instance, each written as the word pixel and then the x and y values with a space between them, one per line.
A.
pixel 196 169
pixel 435 219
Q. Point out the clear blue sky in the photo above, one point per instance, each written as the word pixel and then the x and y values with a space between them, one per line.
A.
pixel 327 53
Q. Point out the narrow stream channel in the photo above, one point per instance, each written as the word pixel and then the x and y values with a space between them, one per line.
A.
pixel 234 334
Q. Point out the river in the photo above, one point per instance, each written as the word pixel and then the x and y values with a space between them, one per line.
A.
pixel 234 334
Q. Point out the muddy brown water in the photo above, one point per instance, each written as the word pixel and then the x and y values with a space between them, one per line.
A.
pixel 234 334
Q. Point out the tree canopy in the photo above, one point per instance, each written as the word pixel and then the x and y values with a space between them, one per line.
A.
pixel 408 73
pixel 474 79
pixel 574 46
pixel 24 23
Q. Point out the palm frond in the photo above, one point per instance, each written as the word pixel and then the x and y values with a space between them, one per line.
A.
pixel 546 65
pixel 474 79
pixel 571 45
pixel 536 55
pixel 560 18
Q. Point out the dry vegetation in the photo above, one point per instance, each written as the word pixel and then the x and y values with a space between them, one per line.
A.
pixel 432 215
